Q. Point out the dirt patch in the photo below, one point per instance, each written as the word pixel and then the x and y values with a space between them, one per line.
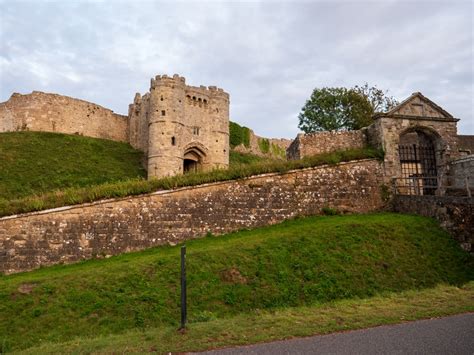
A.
pixel 234 276
pixel 26 289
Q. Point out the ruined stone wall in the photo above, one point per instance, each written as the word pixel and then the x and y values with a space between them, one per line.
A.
pixel 174 121
pixel 455 214
pixel 276 146
pixel 40 111
pixel 321 142
pixel 75 233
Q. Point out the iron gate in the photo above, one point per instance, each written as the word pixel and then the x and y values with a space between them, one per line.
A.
pixel 418 168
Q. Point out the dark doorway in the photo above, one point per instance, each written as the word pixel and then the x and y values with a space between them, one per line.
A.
pixel 419 174
pixel 190 166
pixel 193 160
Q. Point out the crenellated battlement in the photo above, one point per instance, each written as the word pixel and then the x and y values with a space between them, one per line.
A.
pixel 195 92
pixel 180 127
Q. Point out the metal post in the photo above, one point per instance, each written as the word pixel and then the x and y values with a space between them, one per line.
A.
pixel 183 288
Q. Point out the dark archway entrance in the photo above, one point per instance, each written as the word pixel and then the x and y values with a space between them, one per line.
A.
pixel 193 160
pixel 418 163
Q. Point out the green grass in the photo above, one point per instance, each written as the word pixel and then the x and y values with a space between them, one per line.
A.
pixel 237 159
pixel 263 326
pixel 304 262
pixel 131 187
pixel 39 162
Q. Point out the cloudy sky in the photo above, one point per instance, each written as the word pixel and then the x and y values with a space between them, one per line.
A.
pixel 268 55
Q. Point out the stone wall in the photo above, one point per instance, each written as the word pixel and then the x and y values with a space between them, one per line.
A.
pixel 462 171
pixel 103 228
pixel 456 214
pixel 40 111
pixel 277 146
pixel 321 142
pixel 466 144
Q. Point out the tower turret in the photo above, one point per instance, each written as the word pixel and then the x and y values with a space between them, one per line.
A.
pixel 184 128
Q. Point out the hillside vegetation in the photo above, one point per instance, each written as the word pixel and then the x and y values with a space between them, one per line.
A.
pixel 47 170
pixel 38 162
pixel 309 261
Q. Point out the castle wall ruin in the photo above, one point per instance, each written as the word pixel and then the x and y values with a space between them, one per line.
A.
pixel 75 233
pixel 41 111
pixel 322 142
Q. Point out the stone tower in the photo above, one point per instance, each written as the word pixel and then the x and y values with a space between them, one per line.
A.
pixel 181 128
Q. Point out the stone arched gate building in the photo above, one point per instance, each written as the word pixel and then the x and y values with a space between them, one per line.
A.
pixel 420 142
pixel 419 139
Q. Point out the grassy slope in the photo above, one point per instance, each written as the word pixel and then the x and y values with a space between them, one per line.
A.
pixel 302 262
pixel 264 326
pixel 37 162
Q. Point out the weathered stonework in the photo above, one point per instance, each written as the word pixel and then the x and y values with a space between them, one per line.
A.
pixel 415 114
pixel 455 214
pixel 75 233
pixel 461 173
pixel 466 144
pixel 180 127
pixel 40 111
pixel 254 146
pixel 321 142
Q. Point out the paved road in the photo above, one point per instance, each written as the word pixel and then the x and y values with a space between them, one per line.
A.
pixel 449 335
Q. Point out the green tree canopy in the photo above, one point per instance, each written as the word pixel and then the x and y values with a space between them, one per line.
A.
pixel 342 109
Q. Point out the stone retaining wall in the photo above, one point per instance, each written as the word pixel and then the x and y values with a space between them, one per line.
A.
pixel 111 227
pixel 321 142
pixel 456 214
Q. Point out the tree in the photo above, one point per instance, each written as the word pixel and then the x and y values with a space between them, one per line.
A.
pixel 379 100
pixel 343 109
pixel 334 109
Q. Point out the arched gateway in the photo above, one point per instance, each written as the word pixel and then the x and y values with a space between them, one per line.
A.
pixel 193 160
pixel 419 138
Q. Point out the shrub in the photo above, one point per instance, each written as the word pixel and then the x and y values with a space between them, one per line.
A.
pixel 238 135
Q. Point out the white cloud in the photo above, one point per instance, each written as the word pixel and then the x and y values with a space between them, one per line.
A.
pixel 267 55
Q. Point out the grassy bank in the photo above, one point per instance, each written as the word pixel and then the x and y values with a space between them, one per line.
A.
pixel 76 195
pixel 264 326
pixel 38 162
pixel 236 159
pixel 304 262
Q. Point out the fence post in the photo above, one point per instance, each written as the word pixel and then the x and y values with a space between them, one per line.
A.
pixel 183 288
